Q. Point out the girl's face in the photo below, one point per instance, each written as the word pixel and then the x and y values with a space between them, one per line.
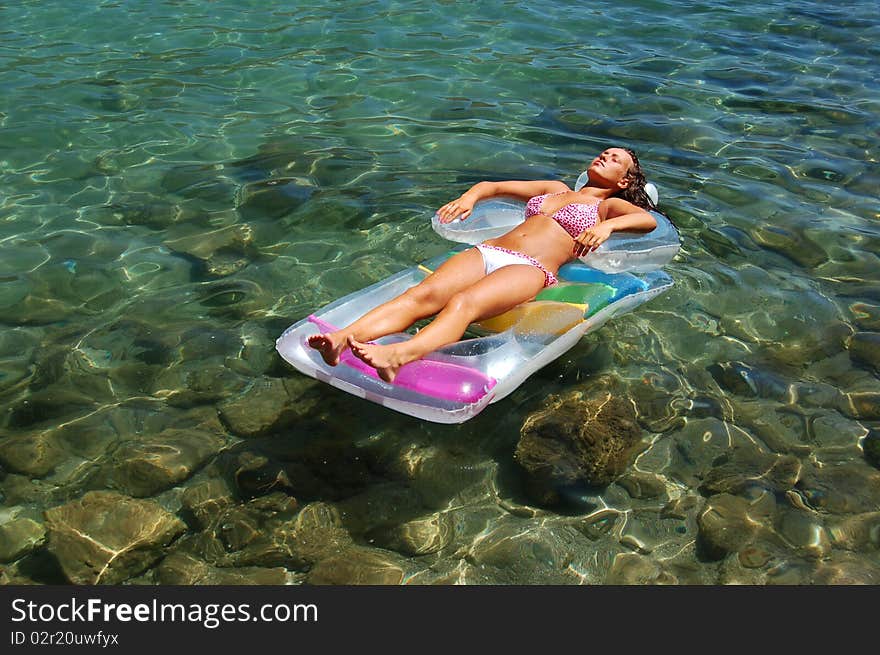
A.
pixel 612 167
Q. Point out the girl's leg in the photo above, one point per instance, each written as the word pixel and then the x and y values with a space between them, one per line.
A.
pixel 494 294
pixel 423 300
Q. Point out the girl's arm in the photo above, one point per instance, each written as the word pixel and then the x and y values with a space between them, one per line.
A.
pixel 620 216
pixel 464 204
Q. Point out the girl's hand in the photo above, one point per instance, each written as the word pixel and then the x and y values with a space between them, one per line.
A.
pixel 461 206
pixel 591 238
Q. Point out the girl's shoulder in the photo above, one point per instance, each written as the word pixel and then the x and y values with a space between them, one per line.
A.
pixel 613 207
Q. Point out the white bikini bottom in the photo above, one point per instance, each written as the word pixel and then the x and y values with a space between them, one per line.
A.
pixel 495 257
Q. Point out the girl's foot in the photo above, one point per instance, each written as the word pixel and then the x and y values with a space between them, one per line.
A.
pixel 330 345
pixel 387 360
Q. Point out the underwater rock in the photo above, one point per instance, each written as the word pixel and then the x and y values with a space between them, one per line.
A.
pixel 866 315
pixel 256 357
pixel 788 570
pixel 846 569
pixel 754 557
pixel 688 454
pixel 93 435
pixel 801 346
pixel 221 252
pixel 864 348
pixel 860 532
pixel 202 181
pixel 38 567
pixel 360 566
pixel 48 406
pixel 18 489
pixel 38 308
pixel 19 350
pixel 106 538
pixel 728 523
pixel 805 532
pixel 744 468
pixel 683 565
pixel 317 516
pixel 197 418
pixel 421 536
pixel 871 447
pixel 263 408
pixel 350 208
pixel 145 468
pixel 642 485
pixel 380 504
pixel 204 545
pixel 278 153
pixel 269 532
pixel 203 342
pixel 438 474
pixel 832 432
pixel 781 428
pixel 239 529
pixel 749 381
pixel 254 474
pixel 815 395
pixel 139 209
pixel 683 507
pixel 248 534
pixel 233 300
pixel 273 198
pixel 185 569
pixel 528 552
pixel 309 463
pixel 16 287
pixel 66 370
pixel 125 355
pixel 81 279
pixel 706 406
pixel 850 488
pixel 207 500
pixel 860 405
pixel 19 537
pixel 790 243
pixel 751 566
pixel 49 366
pixel 577 441
pixel 130 339
pixel 192 383
pixel 632 538
pixel 635 569
pixel 849 281
pixel 520 510
pixel 34 454
pixel 644 532
pixel 599 524
pixel 447 572
pixel 656 412
pixel 316 534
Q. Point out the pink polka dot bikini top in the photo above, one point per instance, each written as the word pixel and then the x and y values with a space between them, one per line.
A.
pixel 574 217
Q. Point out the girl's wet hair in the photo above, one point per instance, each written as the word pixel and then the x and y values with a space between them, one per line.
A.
pixel 635 192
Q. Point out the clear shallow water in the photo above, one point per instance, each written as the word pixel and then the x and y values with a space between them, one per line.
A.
pixel 182 180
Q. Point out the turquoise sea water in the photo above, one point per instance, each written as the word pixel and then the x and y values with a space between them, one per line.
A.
pixel 180 181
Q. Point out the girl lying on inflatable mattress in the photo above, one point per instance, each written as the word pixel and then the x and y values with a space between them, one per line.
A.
pixel 499 274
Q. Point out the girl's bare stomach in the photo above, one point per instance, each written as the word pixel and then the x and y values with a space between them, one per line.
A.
pixel 540 237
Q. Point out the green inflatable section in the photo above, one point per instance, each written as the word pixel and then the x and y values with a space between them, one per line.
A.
pixel 596 295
